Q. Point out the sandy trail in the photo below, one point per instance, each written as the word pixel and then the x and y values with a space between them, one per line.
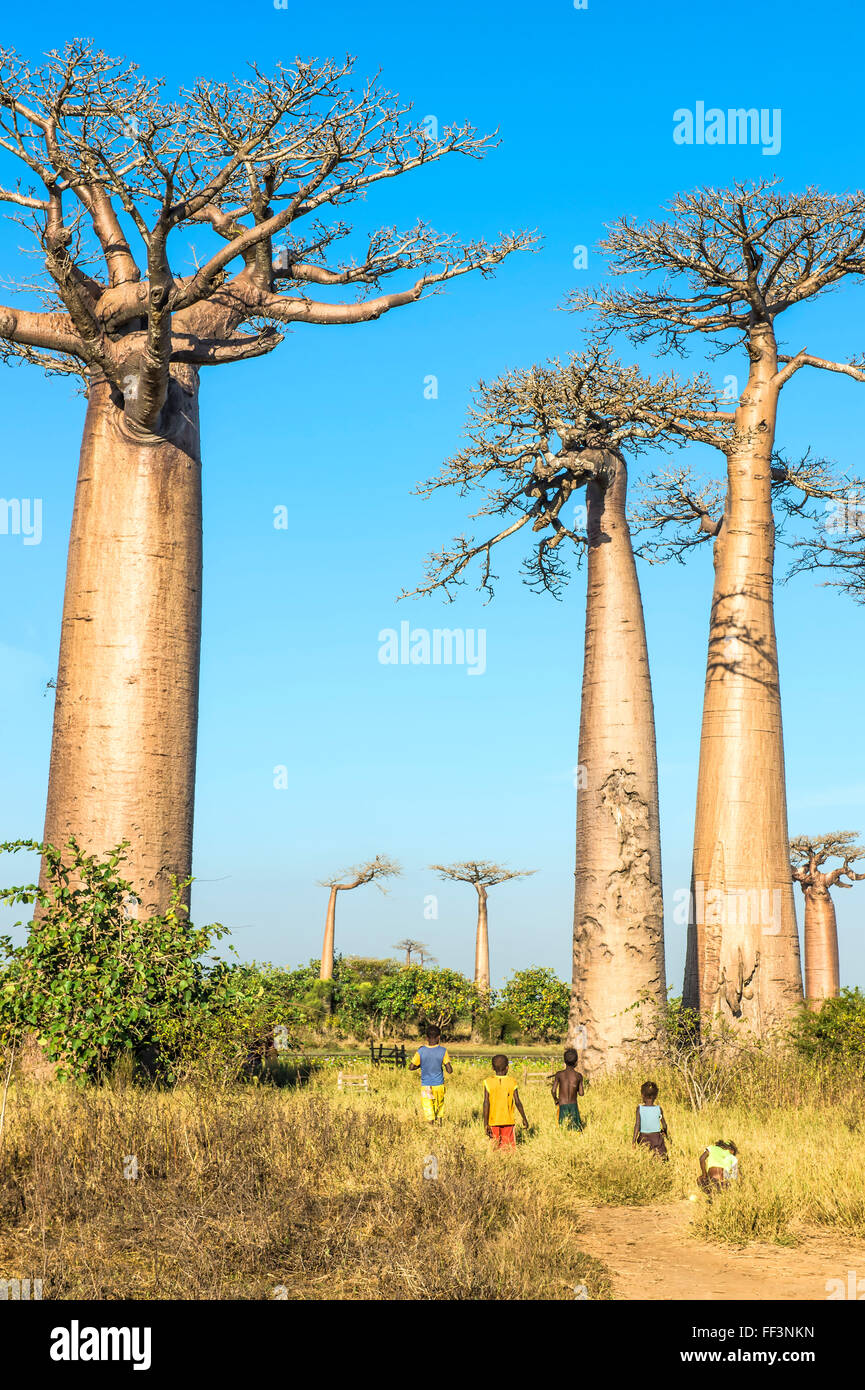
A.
pixel 650 1255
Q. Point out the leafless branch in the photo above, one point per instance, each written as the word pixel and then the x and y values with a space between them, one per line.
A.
pixel 240 163
pixel 535 436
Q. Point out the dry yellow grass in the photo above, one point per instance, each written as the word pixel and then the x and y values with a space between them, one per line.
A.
pixel 262 1191
pixel 257 1192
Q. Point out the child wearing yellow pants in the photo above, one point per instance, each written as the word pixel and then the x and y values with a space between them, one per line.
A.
pixel 432 1061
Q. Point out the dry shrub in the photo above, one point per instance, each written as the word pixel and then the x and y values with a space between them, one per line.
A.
pixel 243 1193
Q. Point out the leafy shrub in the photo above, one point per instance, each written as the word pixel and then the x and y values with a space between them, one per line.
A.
pixel 443 996
pixel 498 1025
pixel 834 1031
pixel 539 1001
pixel 94 983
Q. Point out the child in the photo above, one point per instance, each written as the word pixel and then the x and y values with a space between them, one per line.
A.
pixel 567 1086
pixel 650 1127
pixel 719 1165
pixel 433 1061
pixel 501 1097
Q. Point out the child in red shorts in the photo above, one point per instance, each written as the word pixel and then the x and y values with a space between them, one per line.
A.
pixel 501 1100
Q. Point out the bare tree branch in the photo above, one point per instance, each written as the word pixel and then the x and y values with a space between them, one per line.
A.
pixel 240 162
pixel 536 436
pixel 370 871
pixel 480 872
pixel 808 854
pixel 725 259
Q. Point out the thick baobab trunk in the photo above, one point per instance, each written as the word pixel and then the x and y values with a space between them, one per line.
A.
pixel 618 909
pixel 822 966
pixel 125 720
pixel 482 944
pixel 326 971
pixel 743 947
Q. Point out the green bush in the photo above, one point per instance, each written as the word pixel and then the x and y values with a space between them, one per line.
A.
pixel 94 984
pixel 836 1030
pixel 498 1025
pixel 442 996
pixel 539 1001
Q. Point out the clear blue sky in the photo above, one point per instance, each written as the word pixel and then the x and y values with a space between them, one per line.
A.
pixel 426 763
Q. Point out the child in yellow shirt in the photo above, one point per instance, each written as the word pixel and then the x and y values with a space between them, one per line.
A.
pixel 501 1100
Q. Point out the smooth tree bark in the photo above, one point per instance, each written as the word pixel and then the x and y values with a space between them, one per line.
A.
pixel 126 708
pixel 372 871
pixel 482 874
pixel 618 903
pixel 743 947
pixel 808 854
pixel 482 943
pixel 217 177
pixel 537 438
pixel 730 262
pixel 326 970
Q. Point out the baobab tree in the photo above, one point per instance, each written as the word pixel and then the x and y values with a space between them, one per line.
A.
pixel 483 875
pixel 372 871
pixel 536 439
pixel 113 182
pixel 673 512
pixel 723 268
pixel 413 948
pixel 808 854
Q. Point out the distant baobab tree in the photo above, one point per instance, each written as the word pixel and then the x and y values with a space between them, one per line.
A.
pixel 807 856
pixel 721 269
pixel 372 871
pixel 113 180
pixel 482 875
pixel 538 440
pixel 417 948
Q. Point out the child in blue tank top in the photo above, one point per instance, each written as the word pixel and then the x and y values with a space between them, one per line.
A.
pixel 650 1127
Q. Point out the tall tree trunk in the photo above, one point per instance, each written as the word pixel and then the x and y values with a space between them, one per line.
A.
pixel 326 971
pixel 618 906
pixel 126 713
pixel 743 950
pixel 822 967
pixel 482 944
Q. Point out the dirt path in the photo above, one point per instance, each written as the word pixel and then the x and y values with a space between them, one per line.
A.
pixel 650 1255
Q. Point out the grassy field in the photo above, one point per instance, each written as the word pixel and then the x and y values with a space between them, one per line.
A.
pixel 262 1191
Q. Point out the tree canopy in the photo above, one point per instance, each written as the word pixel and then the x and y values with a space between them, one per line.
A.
pixel 114 178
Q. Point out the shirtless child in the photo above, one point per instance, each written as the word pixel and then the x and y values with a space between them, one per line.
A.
pixel 567 1086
